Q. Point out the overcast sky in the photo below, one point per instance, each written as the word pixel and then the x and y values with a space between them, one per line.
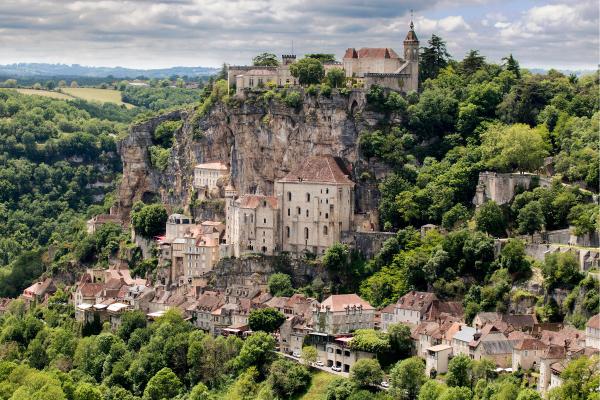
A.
pixel 154 33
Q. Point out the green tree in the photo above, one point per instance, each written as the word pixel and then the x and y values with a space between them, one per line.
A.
pixel 513 147
pixel 309 355
pixel 258 350
pixel 150 220
pixel 560 269
pixel 288 378
pixel 163 134
pixel 512 65
pixel 265 319
pixel 458 215
pixel 321 57
pixel 164 385
pixel 512 257
pixel 280 284
pixel 529 394
pixel 336 77
pixel 471 63
pixel 308 71
pixel 336 257
pixel 457 393
pixel 366 372
pixel 339 389
pixel 87 391
pixel 406 378
pixel 580 380
pixel 433 58
pixel 530 218
pixel 459 371
pixel 489 218
pixel 130 321
pixel 266 60
pixel 200 392
pixel 431 390
pixel 400 339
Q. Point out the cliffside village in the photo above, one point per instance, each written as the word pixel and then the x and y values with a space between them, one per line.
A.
pixel 310 210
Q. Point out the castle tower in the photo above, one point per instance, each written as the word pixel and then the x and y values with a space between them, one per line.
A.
pixel 411 55
pixel 288 59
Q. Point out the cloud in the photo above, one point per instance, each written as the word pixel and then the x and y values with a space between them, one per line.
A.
pixel 147 33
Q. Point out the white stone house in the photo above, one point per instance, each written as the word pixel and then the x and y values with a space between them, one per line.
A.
pixel 437 359
pixel 343 313
pixel 592 332
pixel 206 175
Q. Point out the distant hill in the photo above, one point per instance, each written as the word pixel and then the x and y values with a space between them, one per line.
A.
pixel 48 70
pixel 576 72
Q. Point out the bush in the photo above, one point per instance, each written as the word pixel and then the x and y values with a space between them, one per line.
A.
pixel 293 99
pixel 159 157
pixel 325 90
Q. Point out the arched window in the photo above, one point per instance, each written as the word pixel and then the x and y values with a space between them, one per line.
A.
pixel 325 230
pixel 287 231
pixel 289 196
pixel 307 213
pixel 306 233
pixel 289 212
pixel 298 210
pixel 308 197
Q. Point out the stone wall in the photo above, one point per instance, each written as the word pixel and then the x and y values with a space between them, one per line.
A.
pixel 368 243
pixel 501 188
pixel 588 258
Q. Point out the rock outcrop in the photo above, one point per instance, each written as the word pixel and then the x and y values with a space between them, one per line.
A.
pixel 260 140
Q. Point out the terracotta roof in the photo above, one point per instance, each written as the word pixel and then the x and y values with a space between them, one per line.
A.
pixel 319 169
pixel 530 344
pixel 516 336
pixel 339 302
pixel 554 352
pixel 90 289
pixel 254 200
pixel 277 302
pixel 371 52
pixel 438 309
pixel 519 321
pixel 567 336
pixel 594 322
pixel 389 309
pixel 416 301
pixel 40 288
pixel 218 166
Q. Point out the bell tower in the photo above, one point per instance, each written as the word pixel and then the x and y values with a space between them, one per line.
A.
pixel 411 55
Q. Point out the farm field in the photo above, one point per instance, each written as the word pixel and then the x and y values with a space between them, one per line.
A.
pixel 93 94
pixel 45 93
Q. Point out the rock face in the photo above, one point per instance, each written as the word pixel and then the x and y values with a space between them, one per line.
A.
pixel 260 141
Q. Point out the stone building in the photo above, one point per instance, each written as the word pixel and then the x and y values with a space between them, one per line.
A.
pixel 343 313
pixel 316 200
pixel 252 224
pixel 250 77
pixel 384 67
pixel 592 332
pixel 206 175
pixel 177 226
pixel 201 251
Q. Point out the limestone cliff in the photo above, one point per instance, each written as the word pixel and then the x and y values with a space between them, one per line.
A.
pixel 261 140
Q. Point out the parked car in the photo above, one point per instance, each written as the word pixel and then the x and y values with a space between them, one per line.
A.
pixel 319 364
pixel 385 384
pixel 336 369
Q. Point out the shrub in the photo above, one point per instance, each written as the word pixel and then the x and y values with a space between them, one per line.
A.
pixel 293 99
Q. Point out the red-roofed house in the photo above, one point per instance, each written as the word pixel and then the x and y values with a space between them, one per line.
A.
pixel 316 199
pixel 39 291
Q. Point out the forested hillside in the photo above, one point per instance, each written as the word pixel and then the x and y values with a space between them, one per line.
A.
pixel 57 159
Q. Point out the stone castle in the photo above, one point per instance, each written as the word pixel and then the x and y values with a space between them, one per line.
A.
pixel 369 66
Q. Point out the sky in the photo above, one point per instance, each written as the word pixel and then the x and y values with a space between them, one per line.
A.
pixel 148 34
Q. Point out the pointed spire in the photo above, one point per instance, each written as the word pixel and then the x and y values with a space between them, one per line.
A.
pixel 412 26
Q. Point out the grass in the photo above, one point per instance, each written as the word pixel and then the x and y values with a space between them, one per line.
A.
pixel 45 93
pixel 318 386
pixel 93 94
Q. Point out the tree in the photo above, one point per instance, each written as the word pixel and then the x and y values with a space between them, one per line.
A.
pixel 74 84
pixel 336 77
pixel 458 215
pixel 529 394
pixel 518 147
pixel 308 71
pixel 322 57
pixel 512 65
pixel 200 392
pixel 471 63
pixel 288 378
pixel 433 58
pixel 512 257
pixel 10 83
pixel 265 319
pixel 561 269
pixel 457 393
pixel 339 389
pixel 265 60
pixel 130 321
pixel 164 385
pixel 489 218
pixel 309 355
pixel 431 390
pixel 406 378
pixel 366 372
pixel 530 218
pixel 280 284
pixel 459 371
pixel 580 380
pixel 370 340
pixel 400 340
pixel 258 350
pixel 336 257
pixel 87 391
pixel 150 220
